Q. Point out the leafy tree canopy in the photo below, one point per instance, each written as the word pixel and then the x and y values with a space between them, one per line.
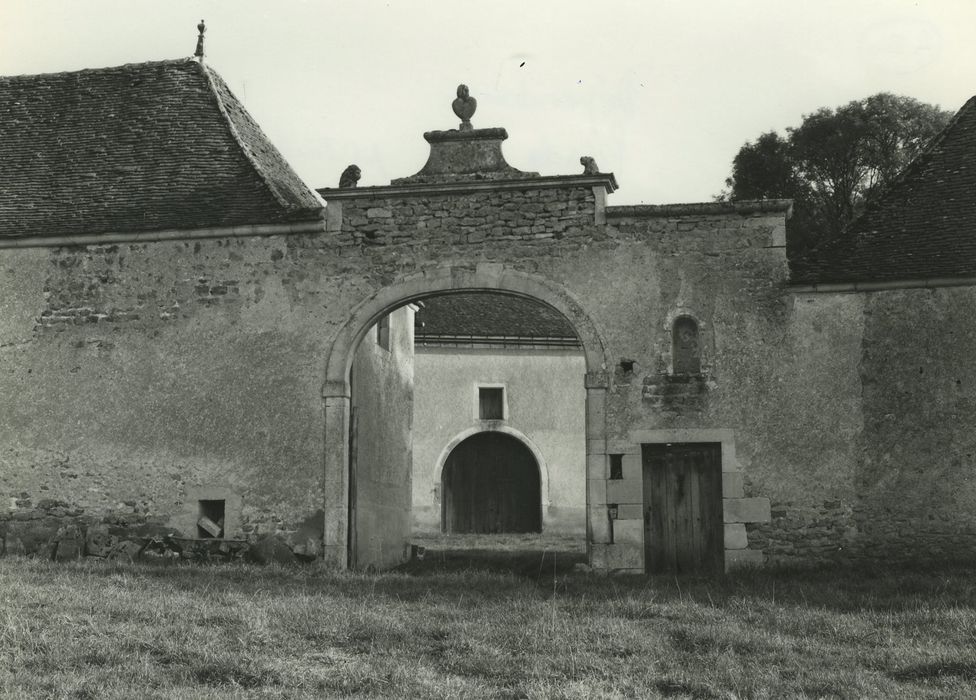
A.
pixel 835 161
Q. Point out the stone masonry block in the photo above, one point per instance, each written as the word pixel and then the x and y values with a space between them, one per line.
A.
pixel 746 510
pixel 732 485
pixel 625 556
pixel 598 556
pixel 626 491
pixel 597 491
pixel 735 536
pixel 630 511
pixel 596 466
pixel 596 447
pixel 633 466
pixel 628 532
pixel 599 526
pixel 743 558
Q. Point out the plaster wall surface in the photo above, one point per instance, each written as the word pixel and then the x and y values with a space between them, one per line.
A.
pixel 133 373
pixel 545 398
pixel 382 418
pixel 916 472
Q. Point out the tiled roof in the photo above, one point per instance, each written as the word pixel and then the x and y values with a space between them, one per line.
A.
pixel 140 147
pixel 491 315
pixel 922 227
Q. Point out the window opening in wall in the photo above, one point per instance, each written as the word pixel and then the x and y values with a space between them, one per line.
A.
pixel 383 332
pixel 210 524
pixel 616 466
pixel 686 353
pixel 491 403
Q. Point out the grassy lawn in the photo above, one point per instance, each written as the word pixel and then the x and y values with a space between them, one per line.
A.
pixel 528 627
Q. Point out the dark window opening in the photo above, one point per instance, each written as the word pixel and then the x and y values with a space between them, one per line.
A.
pixel 686 354
pixel 491 403
pixel 210 524
pixel 616 466
pixel 383 332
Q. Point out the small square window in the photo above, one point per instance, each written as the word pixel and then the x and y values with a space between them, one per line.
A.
pixel 491 403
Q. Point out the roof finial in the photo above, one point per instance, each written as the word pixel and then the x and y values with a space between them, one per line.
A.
pixel 199 52
pixel 464 107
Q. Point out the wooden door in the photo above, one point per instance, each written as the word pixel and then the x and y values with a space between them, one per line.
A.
pixel 491 485
pixel 683 530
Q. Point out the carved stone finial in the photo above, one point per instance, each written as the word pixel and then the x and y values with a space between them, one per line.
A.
pixel 464 107
pixel 199 52
pixel 350 176
pixel 589 166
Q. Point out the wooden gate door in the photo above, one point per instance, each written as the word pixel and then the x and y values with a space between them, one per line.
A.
pixel 490 485
pixel 683 531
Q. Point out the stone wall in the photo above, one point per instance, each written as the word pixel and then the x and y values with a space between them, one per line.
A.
pixel 147 373
pixel 207 380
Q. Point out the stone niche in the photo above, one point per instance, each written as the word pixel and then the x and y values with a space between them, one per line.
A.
pixel 207 506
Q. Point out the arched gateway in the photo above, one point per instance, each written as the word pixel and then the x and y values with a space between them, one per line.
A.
pixel 485 277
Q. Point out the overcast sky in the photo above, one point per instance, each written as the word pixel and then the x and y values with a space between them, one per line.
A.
pixel 663 94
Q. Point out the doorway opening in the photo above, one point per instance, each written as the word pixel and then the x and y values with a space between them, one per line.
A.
pixel 491 485
pixel 683 523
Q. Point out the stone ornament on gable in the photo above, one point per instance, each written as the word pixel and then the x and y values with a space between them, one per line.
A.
pixel 589 166
pixel 350 177
pixel 464 107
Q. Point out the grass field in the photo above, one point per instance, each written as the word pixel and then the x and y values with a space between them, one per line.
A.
pixel 489 624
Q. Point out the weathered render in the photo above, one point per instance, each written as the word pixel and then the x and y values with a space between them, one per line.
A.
pixel 146 368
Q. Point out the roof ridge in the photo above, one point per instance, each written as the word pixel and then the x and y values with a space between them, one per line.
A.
pixel 916 164
pixel 162 62
pixel 235 134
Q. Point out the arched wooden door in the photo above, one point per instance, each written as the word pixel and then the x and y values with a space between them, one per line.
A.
pixel 490 484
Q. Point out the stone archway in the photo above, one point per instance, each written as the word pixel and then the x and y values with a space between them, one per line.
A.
pixel 485 277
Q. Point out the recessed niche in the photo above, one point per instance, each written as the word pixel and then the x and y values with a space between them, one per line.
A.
pixel 210 523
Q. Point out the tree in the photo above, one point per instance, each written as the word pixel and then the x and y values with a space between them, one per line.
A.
pixel 835 161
